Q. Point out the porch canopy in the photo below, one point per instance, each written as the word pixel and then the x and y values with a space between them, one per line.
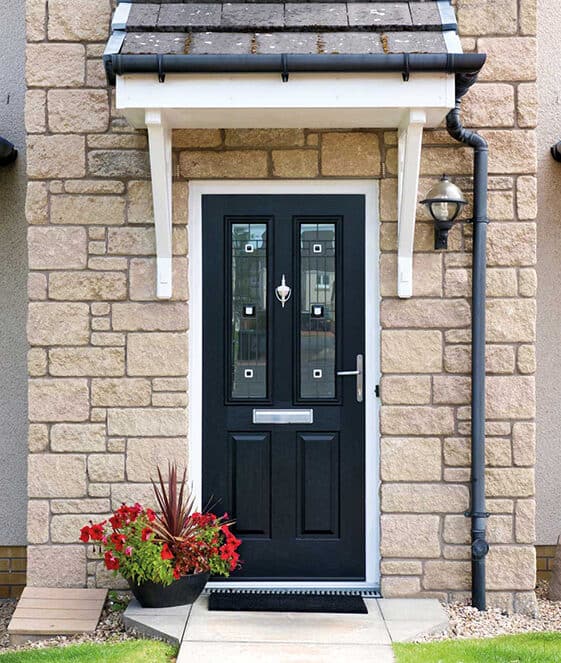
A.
pixel 386 65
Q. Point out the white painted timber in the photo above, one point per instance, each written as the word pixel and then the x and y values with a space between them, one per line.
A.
pixel 159 140
pixel 410 139
pixel 319 100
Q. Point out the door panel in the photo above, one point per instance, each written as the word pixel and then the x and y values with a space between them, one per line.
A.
pixel 296 490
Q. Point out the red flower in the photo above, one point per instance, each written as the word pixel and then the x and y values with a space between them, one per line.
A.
pixel 111 563
pixel 117 540
pixel 96 531
pixel 85 534
pixel 166 552
pixel 146 533
pixel 116 521
pixel 176 573
pixel 150 515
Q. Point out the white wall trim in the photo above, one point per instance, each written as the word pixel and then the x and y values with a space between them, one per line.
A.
pixel 370 190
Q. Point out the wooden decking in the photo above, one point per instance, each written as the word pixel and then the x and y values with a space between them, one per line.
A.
pixel 48 611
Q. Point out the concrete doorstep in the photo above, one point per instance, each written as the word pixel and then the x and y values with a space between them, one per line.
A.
pixel 289 637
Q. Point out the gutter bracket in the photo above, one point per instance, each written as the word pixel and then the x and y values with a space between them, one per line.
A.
pixel 410 139
pixel 159 141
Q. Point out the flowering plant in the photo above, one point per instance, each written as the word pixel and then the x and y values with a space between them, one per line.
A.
pixel 161 547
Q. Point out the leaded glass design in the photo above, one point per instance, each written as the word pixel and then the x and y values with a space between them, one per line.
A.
pixel 249 311
pixel 317 310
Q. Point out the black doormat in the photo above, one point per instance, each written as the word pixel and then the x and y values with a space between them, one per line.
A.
pixel 284 602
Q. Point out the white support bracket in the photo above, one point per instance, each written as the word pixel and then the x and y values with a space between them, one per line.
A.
pixel 410 139
pixel 159 140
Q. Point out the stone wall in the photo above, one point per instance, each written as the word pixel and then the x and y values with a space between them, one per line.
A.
pixel 108 363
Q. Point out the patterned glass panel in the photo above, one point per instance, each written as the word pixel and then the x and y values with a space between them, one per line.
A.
pixel 317 310
pixel 249 311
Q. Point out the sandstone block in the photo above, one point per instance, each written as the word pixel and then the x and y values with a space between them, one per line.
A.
pixel 38 438
pixel 197 138
pixel 510 397
pixel 524 443
pixel 78 111
pixel 417 420
pixel 401 567
pixel 85 20
pixel 424 498
pixel 453 389
pixel 131 241
pixel 149 422
pixel 35 16
pixel 527 282
pixel 139 202
pixel 511 567
pixel 525 514
pixel 66 528
pixel 169 384
pixel 119 163
pixel 51 323
pixel 503 56
pixel 352 154
pixel 489 105
pixel 150 317
pixel 405 351
pixel 511 151
pixel 157 354
pixel 447 575
pixel 264 138
pixel 236 164
pixel 87 361
pixel 37 521
pixel 400 587
pixel 511 320
pixel 527 105
pixel 36 203
pixel 35 109
pixel 142 276
pixel 37 362
pixel 410 536
pixel 411 459
pixel 528 17
pixel 174 399
pixel 144 455
pixel 84 438
pixel 123 392
pixel 510 482
pixel 479 17
pixel 427 268
pixel 457 451
pixel 107 468
pixel 434 160
pixel 295 163
pixel 86 210
pixel 406 389
pixel 56 248
pixel 457 529
pixel 56 566
pixel 55 156
pixel 56 475
pixel 499 358
pixel 424 313
pixel 43 66
pixel 58 400
pixel 131 493
pixel 526 361
pixel 88 285
pixel 511 244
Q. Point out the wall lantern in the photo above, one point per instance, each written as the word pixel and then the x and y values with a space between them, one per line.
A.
pixel 444 202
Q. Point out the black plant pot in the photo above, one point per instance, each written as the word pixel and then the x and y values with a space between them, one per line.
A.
pixel 184 591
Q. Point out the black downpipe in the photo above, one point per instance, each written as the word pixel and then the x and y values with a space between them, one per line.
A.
pixel 477 513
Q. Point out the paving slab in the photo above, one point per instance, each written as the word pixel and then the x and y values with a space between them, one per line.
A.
pixel 290 627
pixel 252 652
pixel 165 623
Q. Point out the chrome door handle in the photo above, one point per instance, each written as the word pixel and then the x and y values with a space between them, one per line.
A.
pixel 359 372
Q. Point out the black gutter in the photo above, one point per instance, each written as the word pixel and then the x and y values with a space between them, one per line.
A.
pixel 477 513
pixel 8 152
pixel 285 64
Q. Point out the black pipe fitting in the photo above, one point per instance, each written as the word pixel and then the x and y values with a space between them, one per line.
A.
pixel 556 151
pixel 8 152
pixel 477 513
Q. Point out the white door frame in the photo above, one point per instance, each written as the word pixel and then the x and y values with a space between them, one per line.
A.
pixel 370 190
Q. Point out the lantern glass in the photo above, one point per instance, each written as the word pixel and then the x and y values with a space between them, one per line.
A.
pixel 444 211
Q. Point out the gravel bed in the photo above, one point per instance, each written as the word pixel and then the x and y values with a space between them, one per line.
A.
pixel 110 627
pixel 468 622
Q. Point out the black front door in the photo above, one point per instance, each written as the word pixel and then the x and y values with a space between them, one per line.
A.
pixel 283 433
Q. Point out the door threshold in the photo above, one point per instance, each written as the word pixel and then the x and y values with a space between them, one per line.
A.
pixel 364 589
